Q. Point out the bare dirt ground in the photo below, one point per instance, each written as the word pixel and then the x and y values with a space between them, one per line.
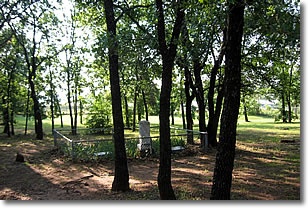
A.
pixel 47 175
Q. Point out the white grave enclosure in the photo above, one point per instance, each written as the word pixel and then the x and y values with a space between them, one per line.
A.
pixel 144 136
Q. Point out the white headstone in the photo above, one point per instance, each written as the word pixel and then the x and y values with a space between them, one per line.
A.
pixel 144 135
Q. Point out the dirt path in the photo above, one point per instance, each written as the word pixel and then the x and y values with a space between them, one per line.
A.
pixel 47 175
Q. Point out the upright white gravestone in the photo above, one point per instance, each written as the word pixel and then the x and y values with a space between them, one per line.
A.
pixel 145 142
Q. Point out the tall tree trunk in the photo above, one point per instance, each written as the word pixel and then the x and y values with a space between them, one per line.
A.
pixel 222 178
pixel 81 111
pixel 69 97
pixel 27 111
pixel 189 99
pixel 127 123
pixel 12 122
pixel 37 111
pixel 183 113
pixel 52 101
pixel 215 114
pixel 172 114
pixel 135 109
pixel 168 54
pixel 145 106
pixel 121 176
pixel 289 108
pixel 75 101
pixel 245 109
pixel 200 100
pixel 6 117
pixel 283 107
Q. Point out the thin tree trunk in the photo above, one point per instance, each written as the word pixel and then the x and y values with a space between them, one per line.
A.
pixel 168 54
pixel 222 178
pixel 134 109
pixel 200 99
pixel 121 176
pixel 214 112
pixel 75 101
pixel 245 110
pixel 183 114
pixel 27 111
pixel 145 106
pixel 189 99
pixel 81 111
pixel 52 102
pixel 283 107
pixel 12 122
pixel 69 99
pixel 36 109
pixel 127 123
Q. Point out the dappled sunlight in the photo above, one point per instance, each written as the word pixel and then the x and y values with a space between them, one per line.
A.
pixel 264 169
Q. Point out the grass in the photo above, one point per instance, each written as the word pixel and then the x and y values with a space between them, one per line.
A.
pixel 264 167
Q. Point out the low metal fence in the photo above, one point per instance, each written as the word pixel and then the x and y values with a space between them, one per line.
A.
pixel 88 146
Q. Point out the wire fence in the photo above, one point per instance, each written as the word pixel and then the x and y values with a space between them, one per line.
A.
pixel 95 144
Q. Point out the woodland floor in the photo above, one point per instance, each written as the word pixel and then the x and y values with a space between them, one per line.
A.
pixel 46 175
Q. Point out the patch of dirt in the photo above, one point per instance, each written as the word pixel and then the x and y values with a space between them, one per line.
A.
pixel 48 175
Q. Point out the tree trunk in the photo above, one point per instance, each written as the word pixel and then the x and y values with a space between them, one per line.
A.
pixel 145 106
pixel 168 54
pixel 27 111
pixel 214 112
pixel 222 178
pixel 200 99
pixel 183 113
pixel 172 114
pixel 189 99
pixel 75 101
pixel 214 119
pixel 12 122
pixel 37 111
pixel 52 102
pixel 121 176
pixel 6 118
pixel 81 111
pixel 134 109
pixel 127 123
pixel 245 110
pixel 283 107
pixel 69 99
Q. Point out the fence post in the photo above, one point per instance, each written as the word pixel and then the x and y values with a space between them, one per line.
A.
pixel 73 152
pixel 205 142
pixel 55 137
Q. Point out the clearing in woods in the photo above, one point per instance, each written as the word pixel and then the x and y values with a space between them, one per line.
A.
pixel 265 169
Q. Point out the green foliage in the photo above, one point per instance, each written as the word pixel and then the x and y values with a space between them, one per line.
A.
pixel 99 115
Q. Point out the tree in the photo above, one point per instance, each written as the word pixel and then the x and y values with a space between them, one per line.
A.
pixel 168 53
pixel 271 51
pixel 121 177
pixel 222 178
pixel 32 22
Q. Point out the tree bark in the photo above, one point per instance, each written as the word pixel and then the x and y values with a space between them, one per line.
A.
pixel 121 176
pixel 222 178
pixel 145 106
pixel 37 111
pixel 134 109
pixel 189 99
pixel 200 98
pixel 214 112
pixel 168 54
pixel 127 123
pixel 52 101
pixel 183 113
